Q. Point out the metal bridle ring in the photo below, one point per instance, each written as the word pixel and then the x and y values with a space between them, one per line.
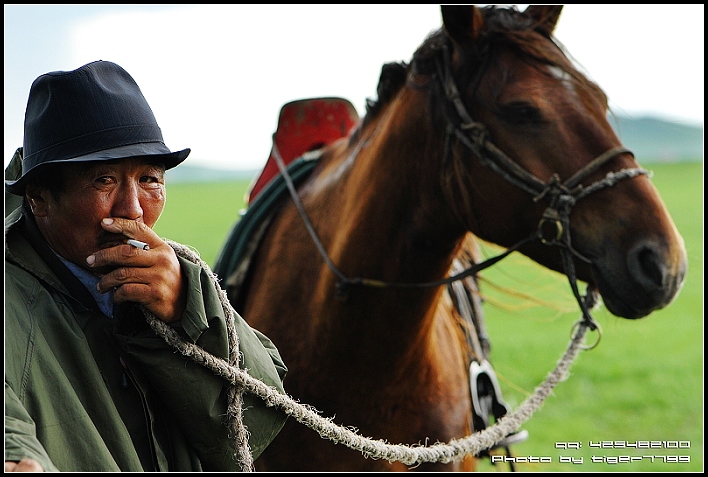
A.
pixel 558 226
pixel 599 334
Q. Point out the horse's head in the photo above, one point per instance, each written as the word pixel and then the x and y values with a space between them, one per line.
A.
pixel 528 131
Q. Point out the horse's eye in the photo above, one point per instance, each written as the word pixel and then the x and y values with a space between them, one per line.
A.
pixel 521 114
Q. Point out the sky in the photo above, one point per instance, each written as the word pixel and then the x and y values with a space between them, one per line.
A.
pixel 216 76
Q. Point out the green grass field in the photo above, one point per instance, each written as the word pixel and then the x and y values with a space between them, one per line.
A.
pixel 641 386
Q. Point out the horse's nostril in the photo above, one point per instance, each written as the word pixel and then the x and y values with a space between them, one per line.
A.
pixel 650 267
pixel 646 266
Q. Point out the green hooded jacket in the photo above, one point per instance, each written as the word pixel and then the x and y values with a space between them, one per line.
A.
pixel 85 392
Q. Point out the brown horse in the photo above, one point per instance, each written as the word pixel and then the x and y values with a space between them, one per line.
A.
pixel 489 130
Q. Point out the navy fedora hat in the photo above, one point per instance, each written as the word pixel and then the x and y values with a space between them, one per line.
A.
pixel 94 113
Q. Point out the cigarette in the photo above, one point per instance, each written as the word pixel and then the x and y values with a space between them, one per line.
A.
pixel 138 244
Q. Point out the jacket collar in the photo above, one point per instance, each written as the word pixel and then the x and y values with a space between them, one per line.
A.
pixel 26 247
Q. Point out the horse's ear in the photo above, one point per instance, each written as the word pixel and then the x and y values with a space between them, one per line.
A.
pixel 462 22
pixel 546 16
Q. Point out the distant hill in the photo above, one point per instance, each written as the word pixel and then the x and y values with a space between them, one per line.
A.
pixel 189 173
pixel 651 139
pixel 657 140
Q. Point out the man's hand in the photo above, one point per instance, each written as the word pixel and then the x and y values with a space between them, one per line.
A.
pixel 151 277
pixel 25 465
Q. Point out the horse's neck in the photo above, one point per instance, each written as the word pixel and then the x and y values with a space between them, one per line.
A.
pixel 391 222
pixel 374 207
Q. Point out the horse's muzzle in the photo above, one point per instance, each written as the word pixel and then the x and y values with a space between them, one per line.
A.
pixel 652 278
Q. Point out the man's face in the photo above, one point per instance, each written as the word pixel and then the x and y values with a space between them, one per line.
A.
pixel 71 222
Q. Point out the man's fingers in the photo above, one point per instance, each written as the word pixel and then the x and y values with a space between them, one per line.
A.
pixel 130 228
pixel 25 465
pixel 120 255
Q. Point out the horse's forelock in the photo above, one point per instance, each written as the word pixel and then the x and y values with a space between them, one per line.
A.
pixel 517 30
pixel 503 27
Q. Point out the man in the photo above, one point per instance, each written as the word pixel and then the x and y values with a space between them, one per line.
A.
pixel 89 384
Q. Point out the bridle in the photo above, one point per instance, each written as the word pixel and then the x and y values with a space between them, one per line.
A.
pixel 553 228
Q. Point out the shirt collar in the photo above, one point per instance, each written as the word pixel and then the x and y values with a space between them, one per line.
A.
pixel 90 280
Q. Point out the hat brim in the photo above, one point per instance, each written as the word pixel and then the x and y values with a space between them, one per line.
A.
pixel 155 151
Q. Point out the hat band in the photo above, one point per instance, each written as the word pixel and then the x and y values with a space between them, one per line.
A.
pixel 95 142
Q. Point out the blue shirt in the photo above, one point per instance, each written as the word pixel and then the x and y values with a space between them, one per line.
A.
pixel 90 280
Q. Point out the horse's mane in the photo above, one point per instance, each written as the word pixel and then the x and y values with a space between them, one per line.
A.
pixel 392 78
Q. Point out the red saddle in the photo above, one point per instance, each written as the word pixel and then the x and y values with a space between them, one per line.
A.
pixel 306 125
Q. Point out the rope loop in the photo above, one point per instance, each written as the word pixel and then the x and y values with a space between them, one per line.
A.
pixel 564 203
pixel 595 326
pixel 477 132
pixel 553 188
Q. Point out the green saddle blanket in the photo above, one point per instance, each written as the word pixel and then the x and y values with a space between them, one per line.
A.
pixel 234 258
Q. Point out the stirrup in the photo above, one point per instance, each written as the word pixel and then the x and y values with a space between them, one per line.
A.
pixel 487 401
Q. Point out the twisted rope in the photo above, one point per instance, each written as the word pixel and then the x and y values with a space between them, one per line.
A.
pixel 234 394
pixel 242 382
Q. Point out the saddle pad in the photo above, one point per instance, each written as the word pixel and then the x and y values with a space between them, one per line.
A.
pixel 233 260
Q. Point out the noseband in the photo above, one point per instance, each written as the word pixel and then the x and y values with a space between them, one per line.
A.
pixel 553 228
